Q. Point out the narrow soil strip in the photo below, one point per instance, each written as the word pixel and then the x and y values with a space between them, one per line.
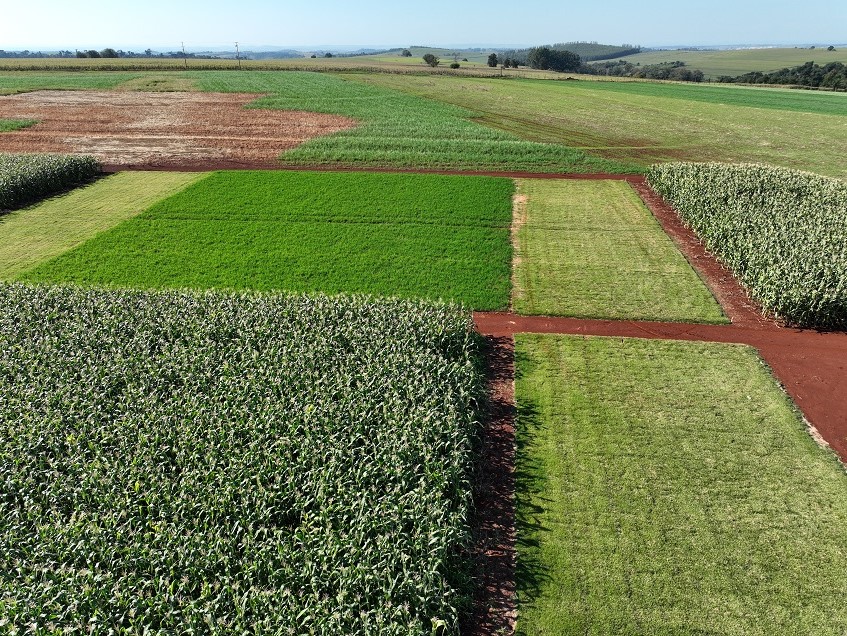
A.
pixel 495 609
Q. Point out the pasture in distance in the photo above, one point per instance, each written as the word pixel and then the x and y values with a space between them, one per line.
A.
pixel 641 123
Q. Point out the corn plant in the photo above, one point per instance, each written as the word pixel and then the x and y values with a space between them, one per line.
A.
pixel 27 177
pixel 782 232
pixel 219 463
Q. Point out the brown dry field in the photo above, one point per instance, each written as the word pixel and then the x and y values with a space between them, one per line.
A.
pixel 159 129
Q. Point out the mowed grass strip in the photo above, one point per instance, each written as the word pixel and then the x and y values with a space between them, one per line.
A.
pixel 671 488
pixel 327 232
pixel 592 249
pixel 46 230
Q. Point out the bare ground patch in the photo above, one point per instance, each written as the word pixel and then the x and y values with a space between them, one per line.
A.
pixel 159 128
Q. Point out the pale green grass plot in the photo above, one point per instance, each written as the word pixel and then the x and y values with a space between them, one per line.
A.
pixel 592 249
pixel 670 488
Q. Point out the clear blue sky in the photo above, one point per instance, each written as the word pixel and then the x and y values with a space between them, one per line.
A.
pixel 164 24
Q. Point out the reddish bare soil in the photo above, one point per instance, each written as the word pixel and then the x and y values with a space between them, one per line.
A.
pixel 494 609
pixel 147 130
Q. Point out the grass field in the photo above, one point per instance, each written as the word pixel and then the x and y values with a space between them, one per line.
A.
pixel 46 230
pixel 670 488
pixel 717 63
pixel 7 125
pixel 592 249
pixel 432 236
pixel 397 129
pixel 618 120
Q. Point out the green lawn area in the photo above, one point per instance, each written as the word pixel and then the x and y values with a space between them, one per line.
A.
pixel 7 125
pixel 385 234
pixel 671 488
pixel 46 230
pixel 592 249
pixel 647 122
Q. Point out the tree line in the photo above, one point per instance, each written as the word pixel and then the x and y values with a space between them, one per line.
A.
pixel 832 76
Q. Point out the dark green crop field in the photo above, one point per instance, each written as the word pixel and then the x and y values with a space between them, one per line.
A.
pixel 209 463
pixel 391 235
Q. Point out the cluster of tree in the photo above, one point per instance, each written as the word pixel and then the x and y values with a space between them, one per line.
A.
pixel 35 54
pixel 587 51
pixel 505 62
pixel 676 71
pixel 546 58
pixel 832 76
pixel 112 53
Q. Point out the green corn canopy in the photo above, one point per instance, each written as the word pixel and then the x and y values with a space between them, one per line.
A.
pixel 782 232
pixel 219 463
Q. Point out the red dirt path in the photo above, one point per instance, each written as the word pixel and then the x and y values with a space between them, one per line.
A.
pixel 809 364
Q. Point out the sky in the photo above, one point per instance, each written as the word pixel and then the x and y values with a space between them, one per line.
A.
pixel 166 24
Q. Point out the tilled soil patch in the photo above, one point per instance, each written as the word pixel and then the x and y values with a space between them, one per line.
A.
pixel 150 129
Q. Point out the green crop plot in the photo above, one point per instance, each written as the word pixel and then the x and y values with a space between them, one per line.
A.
pixel 782 232
pixel 592 249
pixel 396 129
pixel 670 488
pixel 8 125
pixel 175 462
pixel 432 236
pixel 46 230
pixel 617 120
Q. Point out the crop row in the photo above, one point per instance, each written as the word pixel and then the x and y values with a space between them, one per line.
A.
pixel 782 232
pixel 190 462
pixel 26 177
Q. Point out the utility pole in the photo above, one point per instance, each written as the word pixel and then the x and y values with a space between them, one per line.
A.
pixel 184 58
pixel 238 56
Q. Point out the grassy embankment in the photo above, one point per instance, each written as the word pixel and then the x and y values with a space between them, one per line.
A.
pixel 46 230
pixel 618 120
pixel 592 249
pixel 670 488
pixel 392 235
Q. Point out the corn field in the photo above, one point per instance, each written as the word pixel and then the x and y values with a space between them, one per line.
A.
pixel 220 463
pixel 27 177
pixel 782 232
